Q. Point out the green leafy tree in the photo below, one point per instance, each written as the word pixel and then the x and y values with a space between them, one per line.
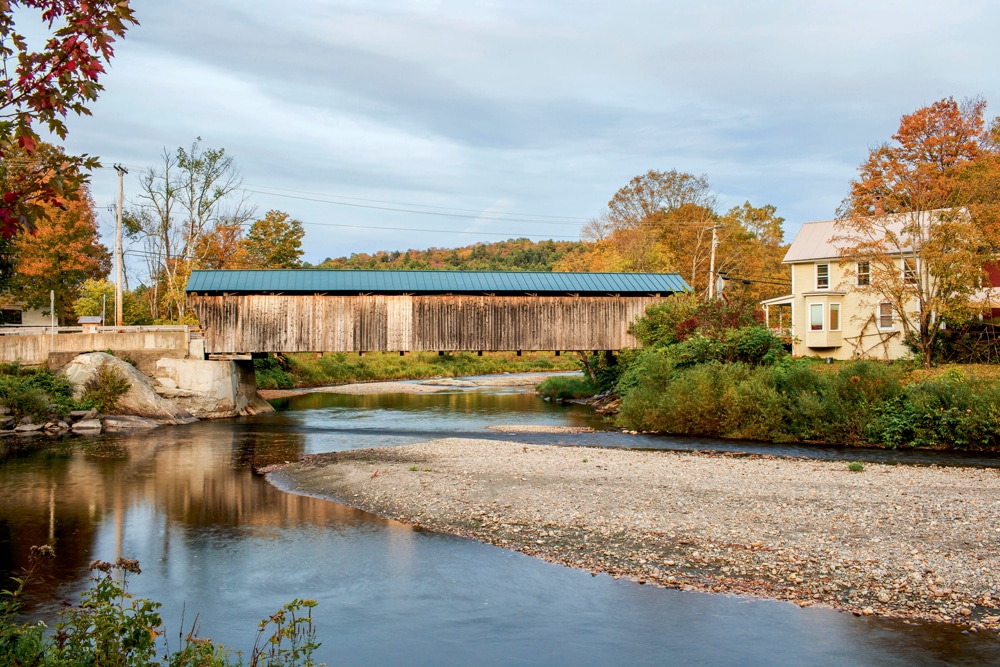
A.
pixel 511 255
pixel 97 297
pixel 274 242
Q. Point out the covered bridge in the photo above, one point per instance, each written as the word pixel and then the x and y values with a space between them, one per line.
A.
pixel 312 310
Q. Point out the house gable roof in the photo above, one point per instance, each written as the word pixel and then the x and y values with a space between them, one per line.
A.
pixel 812 243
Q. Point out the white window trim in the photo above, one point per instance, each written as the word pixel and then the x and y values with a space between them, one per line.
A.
pixel 858 274
pixel 916 270
pixel 840 314
pixel 828 277
pixel 878 317
pixel 822 315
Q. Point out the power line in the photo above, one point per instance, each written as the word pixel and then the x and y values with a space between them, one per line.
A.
pixel 508 234
pixel 396 203
pixel 406 210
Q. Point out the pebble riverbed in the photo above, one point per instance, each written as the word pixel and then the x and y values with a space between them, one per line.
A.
pixel 896 541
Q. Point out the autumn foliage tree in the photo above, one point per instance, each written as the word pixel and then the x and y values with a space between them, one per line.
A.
pixel 60 255
pixel 274 242
pixel 511 255
pixel 915 217
pixel 181 203
pixel 662 221
pixel 41 87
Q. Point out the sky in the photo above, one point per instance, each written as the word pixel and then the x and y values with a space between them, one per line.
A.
pixel 479 121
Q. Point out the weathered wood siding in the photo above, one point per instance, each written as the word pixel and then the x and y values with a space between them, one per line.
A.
pixel 265 323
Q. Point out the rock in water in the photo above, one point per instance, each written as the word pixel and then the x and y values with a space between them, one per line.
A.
pixel 119 423
pixel 140 399
pixel 87 426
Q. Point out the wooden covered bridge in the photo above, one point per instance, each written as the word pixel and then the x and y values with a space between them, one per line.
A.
pixel 246 312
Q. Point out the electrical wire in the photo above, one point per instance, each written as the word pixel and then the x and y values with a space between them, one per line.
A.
pixel 396 203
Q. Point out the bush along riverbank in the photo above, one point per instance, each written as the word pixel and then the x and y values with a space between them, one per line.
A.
pixel 304 370
pixel 110 627
pixel 95 392
pixel 37 401
pixel 711 370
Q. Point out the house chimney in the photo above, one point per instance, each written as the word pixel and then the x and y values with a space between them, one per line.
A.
pixel 879 208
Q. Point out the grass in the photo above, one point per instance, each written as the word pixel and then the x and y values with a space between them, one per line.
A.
pixel 856 466
pixel 306 370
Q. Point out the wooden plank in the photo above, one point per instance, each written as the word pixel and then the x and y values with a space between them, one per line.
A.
pixel 238 324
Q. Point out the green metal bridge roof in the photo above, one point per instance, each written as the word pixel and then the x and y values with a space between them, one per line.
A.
pixel 319 281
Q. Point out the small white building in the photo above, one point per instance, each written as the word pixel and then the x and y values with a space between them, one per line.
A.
pixel 14 314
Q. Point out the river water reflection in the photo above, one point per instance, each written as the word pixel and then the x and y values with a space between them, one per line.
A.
pixel 218 540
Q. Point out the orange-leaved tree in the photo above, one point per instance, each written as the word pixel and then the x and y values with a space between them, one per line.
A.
pixel 662 221
pixel 60 255
pixel 45 85
pixel 912 220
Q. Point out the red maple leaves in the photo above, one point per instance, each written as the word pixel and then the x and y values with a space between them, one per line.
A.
pixel 46 85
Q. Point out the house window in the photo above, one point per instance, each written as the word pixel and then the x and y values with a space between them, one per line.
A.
pixel 822 276
pixel 864 274
pixel 834 317
pixel 909 270
pixel 815 317
pixel 885 315
pixel 10 316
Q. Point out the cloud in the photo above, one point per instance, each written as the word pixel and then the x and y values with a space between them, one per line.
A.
pixel 543 107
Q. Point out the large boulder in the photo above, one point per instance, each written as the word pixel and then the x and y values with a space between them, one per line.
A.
pixel 140 399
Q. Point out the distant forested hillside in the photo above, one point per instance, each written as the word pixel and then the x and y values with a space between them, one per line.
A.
pixel 511 255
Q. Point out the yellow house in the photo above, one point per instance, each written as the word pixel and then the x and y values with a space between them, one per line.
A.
pixel 827 315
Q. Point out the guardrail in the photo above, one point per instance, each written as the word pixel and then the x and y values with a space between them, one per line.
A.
pixel 194 333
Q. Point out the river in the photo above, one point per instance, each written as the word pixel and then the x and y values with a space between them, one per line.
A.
pixel 217 540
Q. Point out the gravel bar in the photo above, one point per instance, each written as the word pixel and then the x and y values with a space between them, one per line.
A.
pixel 892 540
pixel 395 387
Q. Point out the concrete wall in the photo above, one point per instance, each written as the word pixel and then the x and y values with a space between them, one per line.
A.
pixel 209 389
pixel 177 367
pixel 143 347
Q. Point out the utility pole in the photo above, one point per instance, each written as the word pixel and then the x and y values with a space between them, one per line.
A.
pixel 118 245
pixel 711 264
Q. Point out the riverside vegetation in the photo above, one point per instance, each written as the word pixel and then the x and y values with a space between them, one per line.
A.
pixel 112 628
pixel 711 369
pixel 39 394
pixel 304 370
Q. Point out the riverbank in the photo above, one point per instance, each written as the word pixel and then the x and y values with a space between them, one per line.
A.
pixel 894 541
pixel 424 387
pixel 294 371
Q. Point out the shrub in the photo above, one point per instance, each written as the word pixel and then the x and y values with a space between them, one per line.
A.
pixel 684 315
pixel 689 401
pixel 856 466
pixel 339 367
pixel 563 388
pixel 37 393
pixel 272 373
pixel 105 388
pixel 110 627
pixel 947 411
